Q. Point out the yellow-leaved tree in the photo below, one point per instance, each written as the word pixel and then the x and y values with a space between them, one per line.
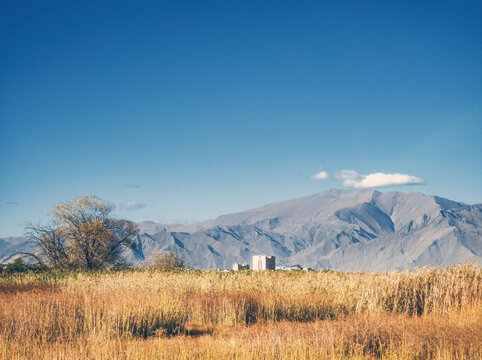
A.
pixel 83 235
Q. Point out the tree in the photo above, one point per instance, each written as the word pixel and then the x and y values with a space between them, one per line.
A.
pixel 167 261
pixel 83 234
pixel 18 265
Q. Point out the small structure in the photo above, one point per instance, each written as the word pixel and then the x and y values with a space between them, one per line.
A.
pixel 264 262
pixel 240 266
pixel 289 267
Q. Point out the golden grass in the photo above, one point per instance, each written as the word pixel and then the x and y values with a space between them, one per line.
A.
pixel 423 314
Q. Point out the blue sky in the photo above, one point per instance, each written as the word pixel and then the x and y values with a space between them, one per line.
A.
pixel 181 111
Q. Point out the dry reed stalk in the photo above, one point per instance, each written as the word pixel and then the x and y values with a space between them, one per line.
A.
pixel 427 313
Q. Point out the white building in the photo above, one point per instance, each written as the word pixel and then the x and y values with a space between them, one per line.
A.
pixel 264 262
pixel 240 266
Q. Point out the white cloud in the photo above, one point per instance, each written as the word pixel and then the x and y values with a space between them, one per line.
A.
pixel 352 179
pixel 132 206
pixel 323 175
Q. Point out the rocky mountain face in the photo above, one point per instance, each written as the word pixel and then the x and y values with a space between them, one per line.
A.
pixel 347 230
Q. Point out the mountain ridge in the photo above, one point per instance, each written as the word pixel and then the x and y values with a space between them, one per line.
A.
pixel 347 230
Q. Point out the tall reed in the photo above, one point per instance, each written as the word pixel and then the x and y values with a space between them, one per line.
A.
pixel 425 313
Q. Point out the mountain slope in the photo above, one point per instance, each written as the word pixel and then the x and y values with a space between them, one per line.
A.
pixel 349 230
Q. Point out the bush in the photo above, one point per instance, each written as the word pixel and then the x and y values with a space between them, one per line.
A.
pixel 18 265
pixel 167 261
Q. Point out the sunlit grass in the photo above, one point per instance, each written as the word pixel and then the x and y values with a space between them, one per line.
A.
pixel 427 313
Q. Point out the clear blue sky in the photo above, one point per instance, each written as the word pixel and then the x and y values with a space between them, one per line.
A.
pixel 188 110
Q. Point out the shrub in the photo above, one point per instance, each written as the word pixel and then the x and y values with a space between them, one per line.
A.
pixel 167 261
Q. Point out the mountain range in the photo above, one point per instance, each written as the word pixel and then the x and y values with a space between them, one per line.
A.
pixel 345 230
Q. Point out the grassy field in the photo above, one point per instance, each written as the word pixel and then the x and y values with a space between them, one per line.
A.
pixel 144 314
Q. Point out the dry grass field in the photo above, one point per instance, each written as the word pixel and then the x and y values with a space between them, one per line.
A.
pixel 429 313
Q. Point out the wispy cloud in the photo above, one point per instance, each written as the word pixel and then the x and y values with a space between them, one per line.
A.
pixel 10 202
pixel 322 175
pixel 351 178
pixel 132 206
pixel 169 221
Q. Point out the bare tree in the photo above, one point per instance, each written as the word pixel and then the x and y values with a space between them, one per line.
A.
pixel 166 261
pixel 82 235
pixel 49 245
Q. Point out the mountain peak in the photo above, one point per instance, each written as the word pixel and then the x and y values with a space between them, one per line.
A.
pixel 343 229
pixel 349 230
